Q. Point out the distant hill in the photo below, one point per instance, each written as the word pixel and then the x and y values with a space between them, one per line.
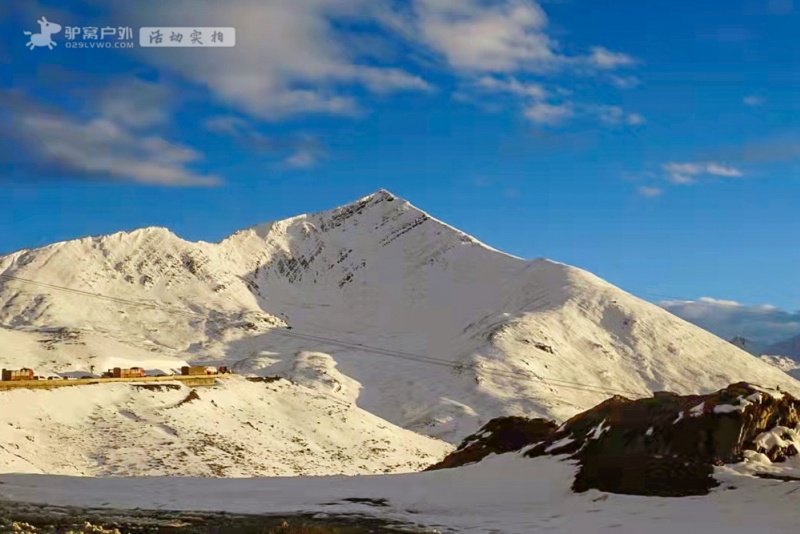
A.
pixel 746 345
pixel 789 348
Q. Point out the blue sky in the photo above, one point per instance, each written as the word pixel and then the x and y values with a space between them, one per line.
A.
pixel 654 145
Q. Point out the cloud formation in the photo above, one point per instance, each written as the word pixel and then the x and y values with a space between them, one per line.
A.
pixel 500 37
pixel 550 107
pixel 753 101
pixel 290 57
pixel 503 47
pixel 681 173
pixel 604 58
pixel 763 325
pixel 548 114
pixel 297 56
pixel 649 191
pixel 111 138
pixel 688 173
pixel 296 151
pixel 616 116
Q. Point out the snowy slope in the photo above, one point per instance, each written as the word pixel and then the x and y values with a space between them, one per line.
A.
pixel 236 429
pixel 428 328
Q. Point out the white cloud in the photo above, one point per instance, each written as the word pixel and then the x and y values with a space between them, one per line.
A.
pixel 635 119
pixel 762 324
pixel 543 106
pixel 688 169
pixel 227 124
pixel 615 116
pixel 649 191
pixel 295 57
pixel 548 114
pixel 716 169
pixel 720 302
pixel 625 82
pixel 604 58
pixel 384 80
pixel 513 86
pixel 296 151
pixel 106 149
pixel 288 59
pixel 503 36
pixel 500 36
pixel 135 103
pixel 680 179
pixel 753 101
pixel 688 173
pixel 115 135
pixel 302 159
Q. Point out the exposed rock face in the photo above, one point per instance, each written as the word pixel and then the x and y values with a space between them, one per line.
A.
pixel 668 444
pixel 664 445
pixel 504 434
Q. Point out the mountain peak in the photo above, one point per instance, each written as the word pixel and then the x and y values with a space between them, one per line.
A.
pixel 383 194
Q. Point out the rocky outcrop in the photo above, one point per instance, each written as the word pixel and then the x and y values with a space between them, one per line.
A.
pixel 668 444
pixel 664 445
pixel 498 436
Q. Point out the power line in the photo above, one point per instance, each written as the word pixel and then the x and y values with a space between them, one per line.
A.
pixel 118 300
pixel 430 360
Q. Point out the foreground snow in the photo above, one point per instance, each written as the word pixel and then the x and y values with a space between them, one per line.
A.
pixel 505 494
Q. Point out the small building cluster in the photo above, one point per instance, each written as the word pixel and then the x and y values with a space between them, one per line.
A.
pixel 13 375
pixel 195 370
pixel 117 372
pixel 16 374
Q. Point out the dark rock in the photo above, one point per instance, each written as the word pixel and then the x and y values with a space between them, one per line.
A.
pixel 157 387
pixel 667 444
pixel 501 435
pixel 192 396
pixel 267 379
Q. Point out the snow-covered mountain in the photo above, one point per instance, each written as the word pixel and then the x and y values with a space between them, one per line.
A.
pixel 789 348
pixel 418 323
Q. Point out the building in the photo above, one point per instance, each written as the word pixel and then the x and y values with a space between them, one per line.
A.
pixel 133 372
pixel 196 370
pixel 16 374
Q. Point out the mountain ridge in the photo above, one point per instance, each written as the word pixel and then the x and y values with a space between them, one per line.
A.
pixel 460 332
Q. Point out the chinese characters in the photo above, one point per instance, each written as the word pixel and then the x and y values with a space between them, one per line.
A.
pixel 94 33
pixel 187 37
